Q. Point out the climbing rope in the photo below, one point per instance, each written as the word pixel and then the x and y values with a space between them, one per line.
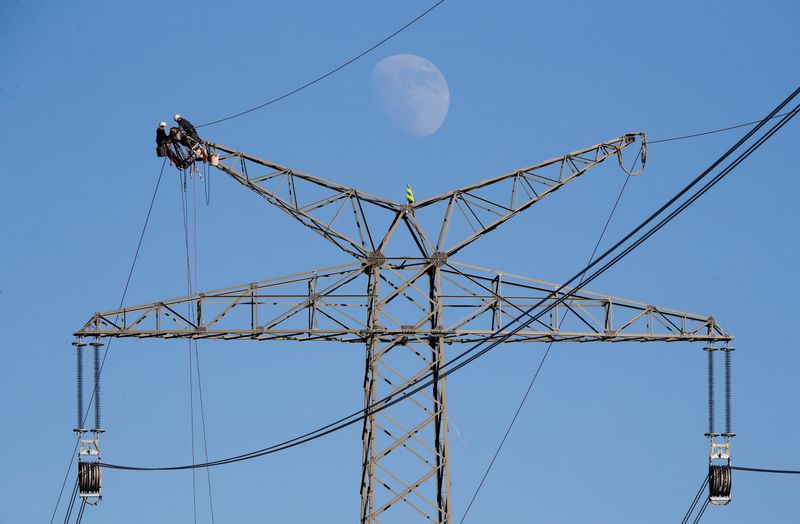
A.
pixel 105 355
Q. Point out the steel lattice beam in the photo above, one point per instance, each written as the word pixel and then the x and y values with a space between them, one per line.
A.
pixel 471 305
pixel 406 299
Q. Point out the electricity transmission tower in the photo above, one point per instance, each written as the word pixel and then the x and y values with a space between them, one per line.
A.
pixel 406 298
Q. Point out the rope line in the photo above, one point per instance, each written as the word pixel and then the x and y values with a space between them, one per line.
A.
pixel 191 282
pixel 108 346
pixel 203 423
pixel 547 351
pixel 713 131
pixel 329 73
pixel 185 212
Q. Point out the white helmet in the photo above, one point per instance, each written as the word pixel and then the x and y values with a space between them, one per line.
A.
pixel 177 117
pixel 162 124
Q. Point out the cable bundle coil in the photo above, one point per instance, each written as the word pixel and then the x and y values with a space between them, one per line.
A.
pixel 719 484
pixel 90 475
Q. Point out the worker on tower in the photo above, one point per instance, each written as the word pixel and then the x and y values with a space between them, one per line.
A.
pixel 163 146
pixel 161 139
pixel 192 139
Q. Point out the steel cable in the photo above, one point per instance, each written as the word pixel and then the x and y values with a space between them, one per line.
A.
pixel 562 295
pixel 108 347
pixel 700 514
pixel 185 212
pixel 80 513
pixel 72 501
pixel 547 351
pixel 713 131
pixel 765 470
pixel 191 316
pixel 695 500
pixel 329 73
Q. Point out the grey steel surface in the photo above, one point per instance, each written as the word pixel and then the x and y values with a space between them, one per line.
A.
pixel 407 300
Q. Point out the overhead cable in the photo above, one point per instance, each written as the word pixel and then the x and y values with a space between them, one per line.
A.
pixel 544 357
pixel 122 299
pixel 329 73
pixel 702 511
pixel 695 500
pixel 561 294
pixel 765 470
pixel 713 131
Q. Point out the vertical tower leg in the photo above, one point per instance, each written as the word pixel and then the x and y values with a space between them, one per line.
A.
pixel 370 390
pixel 405 470
pixel 368 437
pixel 439 403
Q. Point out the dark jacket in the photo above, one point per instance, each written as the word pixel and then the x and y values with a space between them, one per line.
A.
pixel 189 128
pixel 161 137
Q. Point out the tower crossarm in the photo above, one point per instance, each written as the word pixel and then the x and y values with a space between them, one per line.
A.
pixel 332 304
pixel 488 305
pixel 336 212
pixel 325 304
pixel 472 211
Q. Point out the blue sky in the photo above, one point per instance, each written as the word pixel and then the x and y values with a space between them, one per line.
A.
pixel 610 433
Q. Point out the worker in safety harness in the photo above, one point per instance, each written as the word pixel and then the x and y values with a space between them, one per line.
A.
pixel 190 138
pixel 163 148
pixel 161 139
pixel 188 128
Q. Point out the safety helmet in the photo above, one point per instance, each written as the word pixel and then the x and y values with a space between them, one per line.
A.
pixel 162 124
pixel 177 117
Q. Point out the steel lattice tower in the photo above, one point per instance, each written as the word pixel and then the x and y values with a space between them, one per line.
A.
pixel 406 298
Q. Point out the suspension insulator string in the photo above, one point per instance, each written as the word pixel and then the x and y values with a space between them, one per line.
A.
pixel 727 350
pixel 96 344
pixel 79 344
pixel 710 349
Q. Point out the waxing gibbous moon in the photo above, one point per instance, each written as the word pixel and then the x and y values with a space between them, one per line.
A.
pixel 412 92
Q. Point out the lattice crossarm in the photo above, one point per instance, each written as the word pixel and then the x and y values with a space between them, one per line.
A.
pixel 482 207
pixel 338 213
pixel 325 304
pixel 475 305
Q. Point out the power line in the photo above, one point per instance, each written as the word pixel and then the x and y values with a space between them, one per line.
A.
pixel 329 73
pixel 72 502
pixel 702 511
pixel 562 294
pixel 105 354
pixel 80 513
pixel 695 500
pixel 765 470
pixel 704 133
pixel 544 357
